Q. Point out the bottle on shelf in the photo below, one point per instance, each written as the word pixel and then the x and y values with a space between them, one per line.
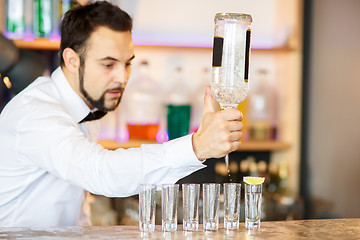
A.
pixel 122 132
pixel 262 167
pixel 283 174
pixel 253 167
pixel 108 126
pixel 262 109
pixel 274 182
pixel 43 20
pixel 244 168
pixel 15 19
pixel 278 172
pixel 248 167
pixel 55 21
pixel 113 126
pixel 197 99
pixel 58 11
pixel 143 105
pixel 178 107
pixel 28 17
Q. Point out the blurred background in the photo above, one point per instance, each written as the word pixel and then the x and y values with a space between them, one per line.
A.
pixel 301 115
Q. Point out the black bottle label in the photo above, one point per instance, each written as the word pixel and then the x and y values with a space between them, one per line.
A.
pixel 217 51
pixel 247 55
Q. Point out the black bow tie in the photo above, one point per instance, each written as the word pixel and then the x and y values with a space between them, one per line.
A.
pixel 93 116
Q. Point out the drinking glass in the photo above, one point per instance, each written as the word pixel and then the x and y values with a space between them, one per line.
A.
pixel 169 204
pixel 252 205
pixel 231 51
pixel 147 206
pixel 211 200
pixel 191 193
pixel 232 193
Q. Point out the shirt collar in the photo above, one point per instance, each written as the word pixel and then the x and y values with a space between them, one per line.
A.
pixel 72 102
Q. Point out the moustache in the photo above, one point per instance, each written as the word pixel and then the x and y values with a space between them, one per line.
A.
pixel 116 89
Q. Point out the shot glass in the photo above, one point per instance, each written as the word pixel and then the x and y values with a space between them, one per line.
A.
pixel 191 194
pixel 252 206
pixel 232 193
pixel 147 207
pixel 211 200
pixel 169 204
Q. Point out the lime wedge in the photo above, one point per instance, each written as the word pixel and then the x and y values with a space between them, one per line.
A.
pixel 254 180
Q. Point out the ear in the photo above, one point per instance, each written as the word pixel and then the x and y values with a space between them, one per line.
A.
pixel 71 60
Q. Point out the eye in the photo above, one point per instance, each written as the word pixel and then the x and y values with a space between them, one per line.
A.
pixel 108 65
pixel 128 64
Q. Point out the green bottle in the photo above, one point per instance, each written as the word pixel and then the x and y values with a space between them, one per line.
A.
pixel 42 18
pixel 178 107
pixel 178 120
pixel 15 22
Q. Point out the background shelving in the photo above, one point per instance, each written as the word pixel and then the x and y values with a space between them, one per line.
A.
pixel 277 29
pixel 275 20
pixel 253 146
pixel 46 44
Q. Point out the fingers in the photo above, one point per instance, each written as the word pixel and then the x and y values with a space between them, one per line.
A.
pixel 231 135
pixel 232 115
pixel 235 146
pixel 230 138
pixel 233 126
pixel 208 101
pixel 231 146
pixel 235 136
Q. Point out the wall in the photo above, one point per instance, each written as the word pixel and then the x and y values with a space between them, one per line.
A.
pixel 334 132
pixel 187 22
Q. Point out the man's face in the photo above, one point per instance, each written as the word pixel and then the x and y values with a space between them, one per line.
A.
pixel 105 68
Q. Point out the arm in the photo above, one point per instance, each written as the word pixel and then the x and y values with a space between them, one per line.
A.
pixel 65 152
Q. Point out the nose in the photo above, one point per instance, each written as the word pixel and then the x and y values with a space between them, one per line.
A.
pixel 121 75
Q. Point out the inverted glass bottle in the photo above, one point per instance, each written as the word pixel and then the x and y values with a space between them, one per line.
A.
pixel 231 52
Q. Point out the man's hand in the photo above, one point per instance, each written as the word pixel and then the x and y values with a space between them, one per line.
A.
pixel 219 131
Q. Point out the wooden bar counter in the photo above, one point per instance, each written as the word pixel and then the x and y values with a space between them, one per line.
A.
pixel 299 229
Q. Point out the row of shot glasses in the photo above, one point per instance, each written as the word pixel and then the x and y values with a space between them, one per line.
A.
pixel 211 203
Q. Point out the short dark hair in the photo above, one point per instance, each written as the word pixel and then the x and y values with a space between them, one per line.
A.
pixel 79 22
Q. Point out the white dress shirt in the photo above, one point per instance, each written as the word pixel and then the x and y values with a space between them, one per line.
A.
pixel 47 159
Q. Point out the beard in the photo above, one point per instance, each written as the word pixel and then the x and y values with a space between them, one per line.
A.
pixel 97 103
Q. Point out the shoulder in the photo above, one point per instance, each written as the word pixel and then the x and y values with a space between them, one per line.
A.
pixel 40 102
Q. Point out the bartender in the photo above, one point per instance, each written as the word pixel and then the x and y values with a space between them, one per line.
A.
pixel 49 151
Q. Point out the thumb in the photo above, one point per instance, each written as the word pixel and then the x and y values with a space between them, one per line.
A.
pixel 208 101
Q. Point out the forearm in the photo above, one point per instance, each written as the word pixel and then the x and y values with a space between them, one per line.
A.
pixel 119 173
